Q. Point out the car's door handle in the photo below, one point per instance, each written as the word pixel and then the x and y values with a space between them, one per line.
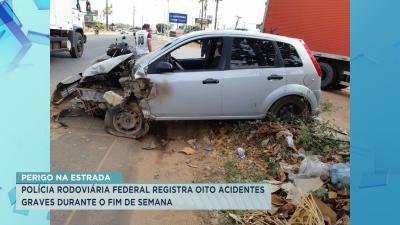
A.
pixel 275 77
pixel 210 81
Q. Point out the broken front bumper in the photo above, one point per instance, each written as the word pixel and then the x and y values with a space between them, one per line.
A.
pixel 65 89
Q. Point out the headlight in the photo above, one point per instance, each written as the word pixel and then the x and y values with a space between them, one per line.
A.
pixel 140 73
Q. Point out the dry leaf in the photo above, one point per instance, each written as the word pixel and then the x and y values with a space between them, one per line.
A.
pixel 187 150
pixel 332 195
pixel 277 200
pixel 327 212
pixel 281 174
pixel 286 210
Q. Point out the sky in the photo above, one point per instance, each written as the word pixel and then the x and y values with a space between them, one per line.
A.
pixel 156 11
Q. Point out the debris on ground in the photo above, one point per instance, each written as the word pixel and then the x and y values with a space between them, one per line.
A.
pixel 241 152
pixel 208 148
pixel 189 164
pixel 300 159
pixel 340 173
pixel 192 143
pixel 311 166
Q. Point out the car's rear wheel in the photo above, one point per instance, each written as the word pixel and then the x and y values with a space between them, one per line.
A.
pixel 290 105
pixel 126 121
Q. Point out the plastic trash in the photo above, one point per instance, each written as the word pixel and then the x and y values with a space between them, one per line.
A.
pixel 290 141
pixel 241 152
pixel 340 173
pixel 208 148
pixel 311 166
pixel 288 137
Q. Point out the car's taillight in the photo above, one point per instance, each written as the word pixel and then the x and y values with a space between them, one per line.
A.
pixel 313 60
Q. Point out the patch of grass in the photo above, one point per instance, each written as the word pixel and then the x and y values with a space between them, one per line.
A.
pixel 244 127
pixel 243 171
pixel 231 171
pixel 327 106
pixel 316 138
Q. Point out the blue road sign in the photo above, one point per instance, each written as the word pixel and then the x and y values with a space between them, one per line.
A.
pixel 178 18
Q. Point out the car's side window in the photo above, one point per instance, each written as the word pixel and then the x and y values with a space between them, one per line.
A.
pixel 289 54
pixel 191 50
pixel 252 53
pixel 200 54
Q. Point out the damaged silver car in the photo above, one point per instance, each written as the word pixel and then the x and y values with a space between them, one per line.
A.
pixel 199 76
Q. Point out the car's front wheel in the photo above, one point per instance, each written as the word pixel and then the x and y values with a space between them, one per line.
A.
pixel 290 105
pixel 126 121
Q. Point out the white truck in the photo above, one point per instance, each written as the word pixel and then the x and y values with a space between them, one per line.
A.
pixel 67 26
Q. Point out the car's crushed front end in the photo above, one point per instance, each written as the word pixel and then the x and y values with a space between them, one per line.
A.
pixel 110 88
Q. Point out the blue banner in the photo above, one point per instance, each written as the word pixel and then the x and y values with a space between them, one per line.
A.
pixel 178 18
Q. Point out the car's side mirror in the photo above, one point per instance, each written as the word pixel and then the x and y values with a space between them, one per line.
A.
pixel 163 67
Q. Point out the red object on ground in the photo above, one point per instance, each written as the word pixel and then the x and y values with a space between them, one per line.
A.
pixel 323 24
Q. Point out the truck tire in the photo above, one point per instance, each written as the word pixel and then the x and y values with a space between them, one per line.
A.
pixel 327 75
pixel 289 105
pixel 339 86
pixel 77 50
pixel 336 84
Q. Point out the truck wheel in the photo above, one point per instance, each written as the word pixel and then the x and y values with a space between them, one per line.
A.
pixel 327 75
pixel 289 105
pixel 77 51
pixel 126 121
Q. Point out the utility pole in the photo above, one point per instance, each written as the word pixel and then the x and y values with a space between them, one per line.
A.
pixel 216 13
pixel 205 10
pixel 168 9
pixel 107 15
pixel 237 21
pixel 133 19
pixel 201 18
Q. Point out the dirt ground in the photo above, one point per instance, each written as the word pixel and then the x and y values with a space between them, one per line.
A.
pixel 339 104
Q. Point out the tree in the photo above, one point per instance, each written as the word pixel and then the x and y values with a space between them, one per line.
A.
pixel 99 25
pixel 162 27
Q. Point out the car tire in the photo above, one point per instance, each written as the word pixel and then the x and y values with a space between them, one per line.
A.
pixel 77 50
pixel 290 105
pixel 327 75
pixel 126 121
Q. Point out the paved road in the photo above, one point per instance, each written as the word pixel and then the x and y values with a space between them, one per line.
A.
pixel 62 65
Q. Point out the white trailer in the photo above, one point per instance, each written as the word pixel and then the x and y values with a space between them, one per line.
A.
pixel 67 26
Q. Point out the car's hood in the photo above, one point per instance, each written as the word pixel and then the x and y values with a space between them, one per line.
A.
pixel 105 66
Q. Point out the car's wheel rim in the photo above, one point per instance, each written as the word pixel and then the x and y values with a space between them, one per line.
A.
pixel 127 121
pixel 289 109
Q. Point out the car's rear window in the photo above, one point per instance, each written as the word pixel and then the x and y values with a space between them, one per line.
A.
pixel 289 54
pixel 252 53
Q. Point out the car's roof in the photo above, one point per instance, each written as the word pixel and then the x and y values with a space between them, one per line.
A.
pixel 237 33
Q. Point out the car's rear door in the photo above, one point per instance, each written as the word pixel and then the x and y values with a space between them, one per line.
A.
pixel 254 72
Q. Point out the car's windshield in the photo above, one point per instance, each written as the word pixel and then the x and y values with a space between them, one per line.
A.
pixel 169 43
